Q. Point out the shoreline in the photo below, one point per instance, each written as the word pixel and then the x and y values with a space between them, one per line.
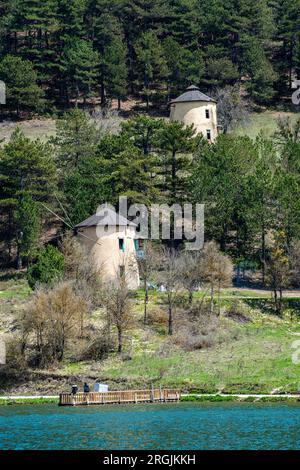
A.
pixel 186 397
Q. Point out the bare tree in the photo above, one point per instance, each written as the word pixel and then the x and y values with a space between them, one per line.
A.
pixel 217 270
pixel 55 318
pixel 118 305
pixel 232 108
pixel 79 267
pixel 190 272
pixel 278 272
pixel 171 279
pixel 147 263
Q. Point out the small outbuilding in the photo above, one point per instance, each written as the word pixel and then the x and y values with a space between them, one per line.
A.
pixel 194 107
pixel 110 240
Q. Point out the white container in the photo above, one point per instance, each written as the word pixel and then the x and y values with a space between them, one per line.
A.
pixel 100 387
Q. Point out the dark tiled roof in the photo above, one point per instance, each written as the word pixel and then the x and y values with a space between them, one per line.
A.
pixel 192 93
pixel 105 217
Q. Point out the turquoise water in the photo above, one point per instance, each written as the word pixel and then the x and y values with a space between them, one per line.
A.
pixel 166 426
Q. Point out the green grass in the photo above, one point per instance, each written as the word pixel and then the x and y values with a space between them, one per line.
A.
pixel 254 358
pixel 258 360
pixel 27 401
pixel 246 399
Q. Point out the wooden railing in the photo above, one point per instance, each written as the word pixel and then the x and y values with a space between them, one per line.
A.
pixel 123 396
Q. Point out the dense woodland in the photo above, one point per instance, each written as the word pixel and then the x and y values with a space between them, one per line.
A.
pixel 251 189
pixel 57 52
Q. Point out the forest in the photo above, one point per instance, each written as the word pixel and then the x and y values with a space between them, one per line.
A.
pixel 55 54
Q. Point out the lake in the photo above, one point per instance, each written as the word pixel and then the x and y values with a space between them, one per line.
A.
pixel 160 426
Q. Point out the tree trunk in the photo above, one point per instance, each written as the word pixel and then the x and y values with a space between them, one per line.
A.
pixel 102 94
pixel 120 340
pixel 173 175
pixel 211 299
pixel 190 297
pixel 119 104
pixel 276 300
pixel 263 254
pixel 219 295
pixel 280 300
pixel 146 299
pixel 19 260
pixel 170 330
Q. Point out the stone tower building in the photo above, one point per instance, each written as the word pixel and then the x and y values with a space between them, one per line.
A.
pixel 110 241
pixel 194 107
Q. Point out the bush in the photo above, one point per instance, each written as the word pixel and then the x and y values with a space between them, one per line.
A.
pixel 54 320
pixel 98 348
pixel 157 317
pixel 49 267
pixel 236 312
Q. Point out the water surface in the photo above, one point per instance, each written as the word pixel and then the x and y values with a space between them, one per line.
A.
pixel 165 426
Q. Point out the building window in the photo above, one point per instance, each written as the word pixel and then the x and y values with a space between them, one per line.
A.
pixel 207 113
pixel 121 244
pixel 208 134
pixel 138 243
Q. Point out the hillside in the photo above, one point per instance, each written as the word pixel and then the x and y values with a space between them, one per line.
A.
pixel 265 122
pixel 248 351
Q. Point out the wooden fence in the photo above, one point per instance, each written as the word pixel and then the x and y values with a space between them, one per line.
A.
pixel 123 396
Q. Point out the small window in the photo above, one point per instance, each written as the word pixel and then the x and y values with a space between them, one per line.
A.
pixel 208 134
pixel 121 244
pixel 207 113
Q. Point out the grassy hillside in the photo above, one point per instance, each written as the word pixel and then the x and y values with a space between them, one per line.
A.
pixel 247 352
pixel 265 122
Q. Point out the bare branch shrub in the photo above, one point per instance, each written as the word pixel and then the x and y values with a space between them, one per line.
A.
pixel 217 270
pixel 54 318
pixel 118 305
pixel 171 279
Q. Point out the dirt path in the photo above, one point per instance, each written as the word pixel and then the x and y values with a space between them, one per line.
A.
pixel 268 292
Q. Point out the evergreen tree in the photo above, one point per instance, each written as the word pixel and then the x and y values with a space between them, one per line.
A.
pixel 151 63
pixel 176 141
pixel 28 226
pixel 79 63
pixel 115 69
pixel 76 139
pixel 22 91
pixel 260 72
pixel 27 172
pixel 185 66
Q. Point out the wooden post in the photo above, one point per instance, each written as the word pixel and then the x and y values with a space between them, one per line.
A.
pixel 151 394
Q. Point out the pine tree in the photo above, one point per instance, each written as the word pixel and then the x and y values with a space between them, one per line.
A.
pixel 22 90
pixel 115 69
pixel 27 172
pixel 79 66
pixel 151 63
pixel 260 72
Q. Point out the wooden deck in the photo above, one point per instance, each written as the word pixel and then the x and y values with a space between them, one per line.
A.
pixel 118 397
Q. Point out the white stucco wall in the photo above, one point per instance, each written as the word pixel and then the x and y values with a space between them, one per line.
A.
pixel 193 112
pixel 103 248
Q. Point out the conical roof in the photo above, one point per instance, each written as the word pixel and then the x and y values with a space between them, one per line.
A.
pixel 193 93
pixel 105 217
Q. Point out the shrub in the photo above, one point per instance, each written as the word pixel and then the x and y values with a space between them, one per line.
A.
pixel 98 347
pixel 48 268
pixel 54 319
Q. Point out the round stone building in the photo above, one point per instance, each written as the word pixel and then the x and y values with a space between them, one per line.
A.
pixel 194 107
